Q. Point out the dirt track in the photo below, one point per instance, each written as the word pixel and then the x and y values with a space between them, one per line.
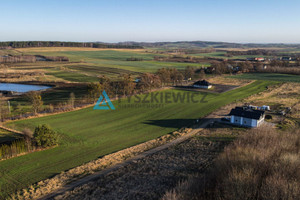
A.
pixel 102 173
pixel 151 176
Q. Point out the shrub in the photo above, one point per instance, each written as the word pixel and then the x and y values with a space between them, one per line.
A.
pixel 268 117
pixel 44 136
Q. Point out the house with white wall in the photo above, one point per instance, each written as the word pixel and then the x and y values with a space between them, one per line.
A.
pixel 244 116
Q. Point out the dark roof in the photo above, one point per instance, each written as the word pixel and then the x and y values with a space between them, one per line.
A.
pixel 247 113
pixel 203 82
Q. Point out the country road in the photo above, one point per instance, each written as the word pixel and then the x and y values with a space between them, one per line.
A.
pixel 101 173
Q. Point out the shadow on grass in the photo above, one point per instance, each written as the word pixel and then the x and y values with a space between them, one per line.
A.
pixel 178 123
pixel 171 123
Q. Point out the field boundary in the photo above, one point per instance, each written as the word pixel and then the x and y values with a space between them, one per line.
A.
pixel 10 130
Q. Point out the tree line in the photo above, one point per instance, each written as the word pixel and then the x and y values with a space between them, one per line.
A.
pixel 127 85
pixel 32 59
pixel 26 44
pixel 17 59
pixel 275 66
pixel 251 52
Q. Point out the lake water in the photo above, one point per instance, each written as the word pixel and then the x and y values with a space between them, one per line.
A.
pixel 14 87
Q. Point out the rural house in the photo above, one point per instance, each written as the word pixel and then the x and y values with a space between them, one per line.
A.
pixel 202 84
pixel 286 58
pixel 244 116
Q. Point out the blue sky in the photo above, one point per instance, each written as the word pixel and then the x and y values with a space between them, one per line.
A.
pixel 262 21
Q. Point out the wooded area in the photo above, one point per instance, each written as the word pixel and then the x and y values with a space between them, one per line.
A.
pixel 24 44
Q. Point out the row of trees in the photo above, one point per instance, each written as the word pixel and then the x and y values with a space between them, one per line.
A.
pixel 32 59
pixel 126 85
pixel 251 52
pixel 37 103
pixel 228 67
pixel 279 63
pixel 42 137
pixel 24 44
pixel 16 59
pixel 53 58
pixel 16 111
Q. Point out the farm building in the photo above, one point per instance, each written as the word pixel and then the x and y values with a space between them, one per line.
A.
pixel 259 59
pixel 244 116
pixel 286 58
pixel 256 59
pixel 202 84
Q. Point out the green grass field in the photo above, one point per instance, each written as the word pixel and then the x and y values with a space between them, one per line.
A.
pixel 111 63
pixel 73 76
pixel 222 54
pixel 269 76
pixel 88 134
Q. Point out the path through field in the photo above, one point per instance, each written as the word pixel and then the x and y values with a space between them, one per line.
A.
pixel 103 173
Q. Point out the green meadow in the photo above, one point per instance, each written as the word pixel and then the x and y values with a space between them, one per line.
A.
pixel 88 134
pixel 111 63
pixel 268 76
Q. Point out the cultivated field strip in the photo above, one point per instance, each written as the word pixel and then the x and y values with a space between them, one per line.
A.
pixel 150 177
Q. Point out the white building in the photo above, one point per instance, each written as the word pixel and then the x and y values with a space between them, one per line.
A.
pixel 244 116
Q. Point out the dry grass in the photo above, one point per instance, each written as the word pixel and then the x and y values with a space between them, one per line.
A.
pixel 263 164
pixel 285 95
pixel 17 75
pixel 228 81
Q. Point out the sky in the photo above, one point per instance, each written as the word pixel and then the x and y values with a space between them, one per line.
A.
pixel 243 21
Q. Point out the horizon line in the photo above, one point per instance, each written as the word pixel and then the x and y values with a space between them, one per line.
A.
pixel 214 41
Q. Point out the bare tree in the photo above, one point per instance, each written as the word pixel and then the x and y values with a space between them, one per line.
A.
pixel 149 81
pixel 35 99
pixel 126 84
pixel 71 101
pixel 189 72
pixel 164 75
pixel 94 91
pixel 202 74
pixel 3 109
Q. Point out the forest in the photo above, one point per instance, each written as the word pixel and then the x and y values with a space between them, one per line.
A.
pixel 26 44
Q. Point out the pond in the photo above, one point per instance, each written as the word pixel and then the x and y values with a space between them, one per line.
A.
pixel 15 87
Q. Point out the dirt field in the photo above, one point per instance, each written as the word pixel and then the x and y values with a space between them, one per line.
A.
pixel 221 80
pixel 150 177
